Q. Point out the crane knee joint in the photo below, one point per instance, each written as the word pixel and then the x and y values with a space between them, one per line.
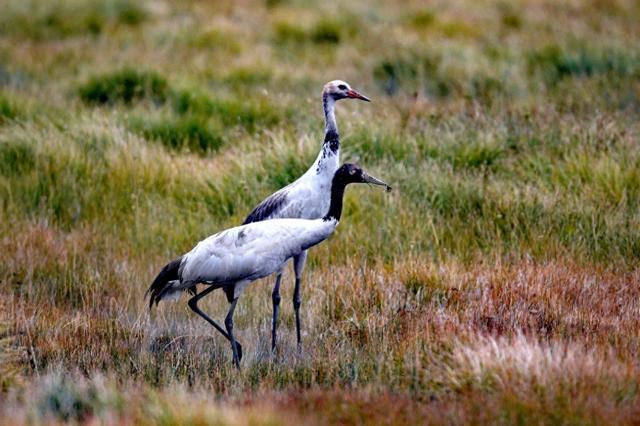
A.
pixel 276 298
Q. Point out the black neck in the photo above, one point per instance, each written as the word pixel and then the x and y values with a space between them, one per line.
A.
pixel 337 194
pixel 331 136
pixel 332 140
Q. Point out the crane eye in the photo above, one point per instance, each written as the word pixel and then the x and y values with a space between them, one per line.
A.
pixel 342 87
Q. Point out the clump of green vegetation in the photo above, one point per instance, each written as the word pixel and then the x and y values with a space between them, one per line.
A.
pixel 424 285
pixel 371 147
pixel 324 31
pixel 428 74
pixel 425 20
pixel 485 88
pixel 285 171
pixel 473 154
pixel 511 20
pixel 128 12
pixel 63 400
pixel 274 3
pixel 212 39
pixel 66 18
pixel 413 73
pixel 247 77
pixel 187 132
pixel 556 63
pixel 8 109
pixel 286 32
pixel 124 86
pixel 16 158
pixel 422 19
pixel 248 113
pixel 192 101
pixel 458 29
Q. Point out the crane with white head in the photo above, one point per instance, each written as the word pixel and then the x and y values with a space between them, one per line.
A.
pixel 309 196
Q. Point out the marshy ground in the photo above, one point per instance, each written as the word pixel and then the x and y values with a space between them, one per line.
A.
pixel 498 282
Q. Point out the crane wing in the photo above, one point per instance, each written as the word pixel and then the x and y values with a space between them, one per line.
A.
pixel 249 252
pixel 269 207
pixel 297 200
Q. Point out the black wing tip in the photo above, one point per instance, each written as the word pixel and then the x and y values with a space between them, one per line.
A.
pixel 160 285
pixel 267 208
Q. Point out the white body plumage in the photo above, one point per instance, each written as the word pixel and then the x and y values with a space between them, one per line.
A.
pixel 235 257
pixel 246 253
pixel 309 196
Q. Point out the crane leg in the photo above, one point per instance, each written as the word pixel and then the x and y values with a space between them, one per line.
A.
pixel 298 266
pixel 228 322
pixel 193 304
pixel 275 297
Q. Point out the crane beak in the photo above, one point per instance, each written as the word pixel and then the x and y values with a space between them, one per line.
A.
pixel 355 95
pixel 375 181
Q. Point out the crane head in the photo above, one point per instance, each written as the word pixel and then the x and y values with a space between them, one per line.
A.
pixel 338 89
pixel 353 173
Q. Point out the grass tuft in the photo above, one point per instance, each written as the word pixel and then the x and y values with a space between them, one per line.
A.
pixel 422 19
pixel 16 158
pixel 248 113
pixel 244 77
pixel 124 86
pixel 187 132
pixel 326 31
pixel 9 110
pixel 474 154
pixel 409 73
pixel 286 32
pixel 511 20
pixel 557 63
pixel 65 401
pixel 42 20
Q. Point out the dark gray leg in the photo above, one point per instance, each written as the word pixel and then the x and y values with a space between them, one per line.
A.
pixel 275 297
pixel 298 267
pixel 228 322
pixel 193 304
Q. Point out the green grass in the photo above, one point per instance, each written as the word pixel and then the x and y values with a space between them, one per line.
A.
pixel 9 110
pixel 186 132
pixel 249 113
pixel 38 20
pixel 125 86
pixel 17 159
pixel 557 63
pixel 497 282
pixel 325 31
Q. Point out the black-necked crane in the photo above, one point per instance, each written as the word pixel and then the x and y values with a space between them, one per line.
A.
pixel 309 196
pixel 233 258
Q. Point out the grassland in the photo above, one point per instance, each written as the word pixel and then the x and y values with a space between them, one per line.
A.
pixel 498 283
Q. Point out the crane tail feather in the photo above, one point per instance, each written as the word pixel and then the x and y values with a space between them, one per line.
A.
pixel 162 286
